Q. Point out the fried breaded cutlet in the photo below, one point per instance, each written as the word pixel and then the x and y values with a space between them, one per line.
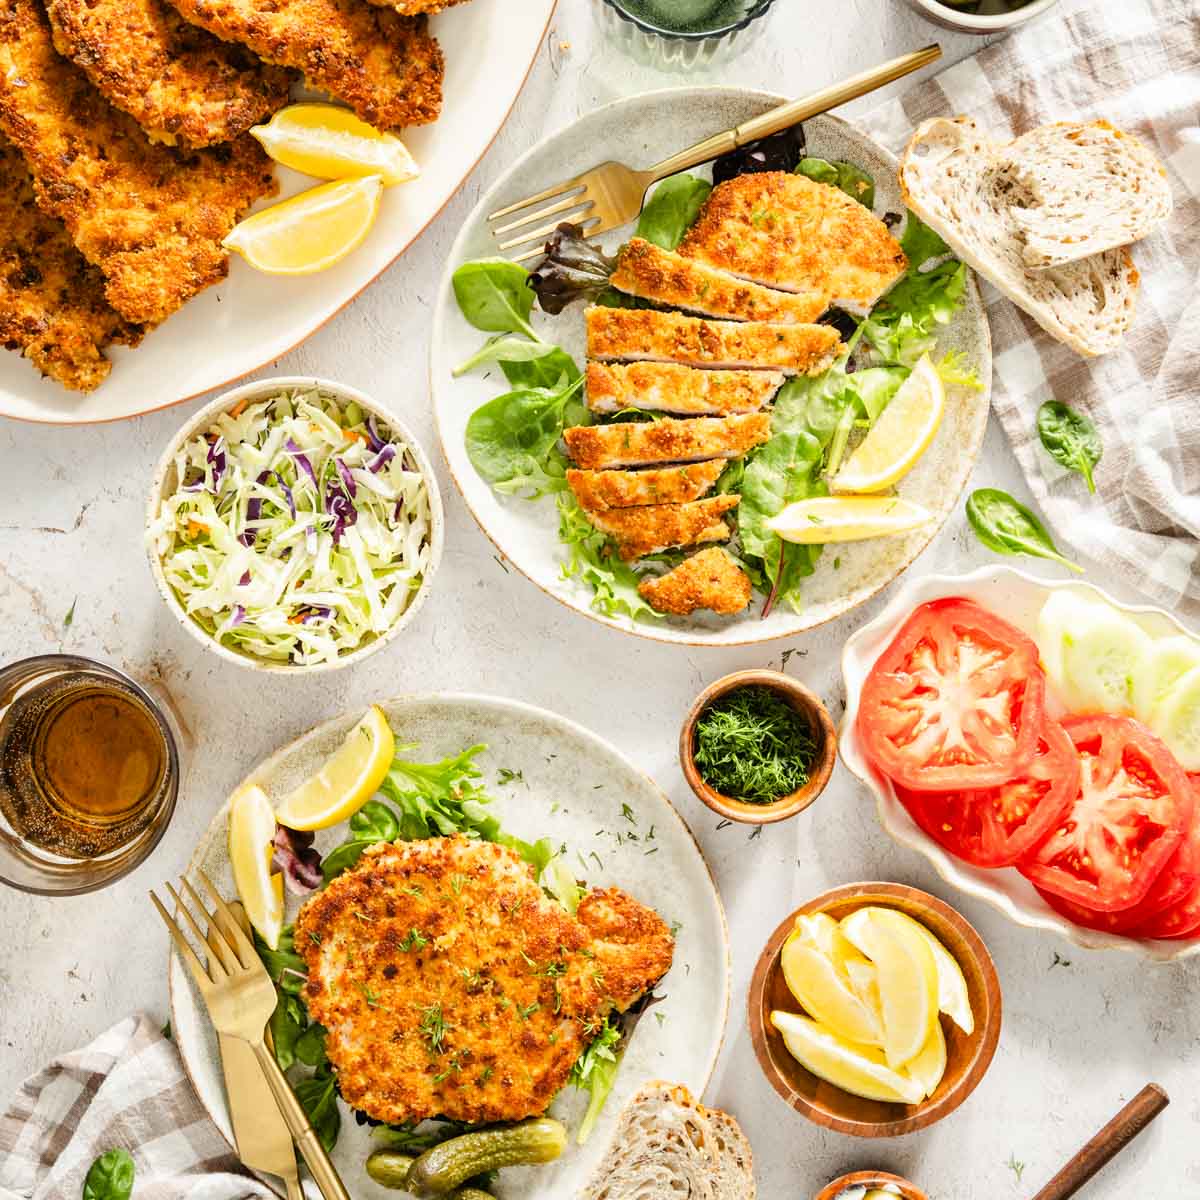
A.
pixel 52 306
pixel 182 85
pixel 649 271
pixel 789 232
pixel 388 68
pixel 673 388
pixel 710 579
pixel 652 528
pixel 643 444
pixel 150 218
pixel 413 8
pixel 658 485
pixel 643 334
pixel 451 985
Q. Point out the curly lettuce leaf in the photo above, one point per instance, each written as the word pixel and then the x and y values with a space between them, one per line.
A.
pixel 595 1072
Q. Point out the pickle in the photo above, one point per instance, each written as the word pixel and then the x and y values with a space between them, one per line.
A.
pixel 390 1168
pixel 447 1166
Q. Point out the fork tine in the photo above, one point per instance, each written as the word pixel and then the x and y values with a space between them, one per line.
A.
pixel 199 974
pixel 223 961
pixel 217 930
pixel 540 235
pixel 549 194
pixel 241 943
pixel 218 967
pixel 578 199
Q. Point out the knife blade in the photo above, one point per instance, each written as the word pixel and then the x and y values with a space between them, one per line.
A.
pixel 262 1137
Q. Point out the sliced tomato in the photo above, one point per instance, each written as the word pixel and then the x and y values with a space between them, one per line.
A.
pixel 998 826
pixel 1182 918
pixel 955 701
pixel 1129 816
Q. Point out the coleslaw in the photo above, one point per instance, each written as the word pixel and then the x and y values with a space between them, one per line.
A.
pixel 299 528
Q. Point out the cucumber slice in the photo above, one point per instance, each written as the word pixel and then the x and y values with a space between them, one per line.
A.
pixel 1100 655
pixel 1169 660
pixel 1177 720
pixel 1064 612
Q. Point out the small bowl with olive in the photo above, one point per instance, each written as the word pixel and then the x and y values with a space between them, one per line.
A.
pixel 982 16
pixel 757 747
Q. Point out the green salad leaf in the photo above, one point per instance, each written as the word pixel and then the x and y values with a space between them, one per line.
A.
pixel 285 967
pixel 546 371
pixel 110 1177
pixel 287 1024
pixel 672 210
pixel 1006 526
pixel 495 296
pixel 310 1045
pixel 852 180
pixel 318 1097
pixel 1070 438
pixel 505 348
pixel 375 822
pixel 595 1071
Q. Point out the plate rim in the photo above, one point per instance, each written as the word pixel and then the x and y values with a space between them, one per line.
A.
pixel 303 337
pixel 917 591
pixel 510 705
pixel 656 633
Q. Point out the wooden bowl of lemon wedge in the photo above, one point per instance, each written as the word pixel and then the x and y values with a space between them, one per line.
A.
pixel 875 1009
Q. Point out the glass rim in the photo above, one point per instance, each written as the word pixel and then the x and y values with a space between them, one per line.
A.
pixel 758 9
pixel 131 856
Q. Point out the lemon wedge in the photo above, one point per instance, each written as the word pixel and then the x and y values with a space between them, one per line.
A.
pixel 953 998
pixel 929 1065
pixel 825 995
pixel 824 519
pixel 860 1070
pixel 251 834
pixel 864 983
pixel 908 980
pixel 902 434
pixel 310 231
pixel 332 143
pixel 347 780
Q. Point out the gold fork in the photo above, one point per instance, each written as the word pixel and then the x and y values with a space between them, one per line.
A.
pixel 611 194
pixel 240 998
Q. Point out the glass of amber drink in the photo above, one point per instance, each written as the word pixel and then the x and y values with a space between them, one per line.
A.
pixel 89 774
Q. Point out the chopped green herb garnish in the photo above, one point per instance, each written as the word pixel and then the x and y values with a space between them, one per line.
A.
pixel 433 1028
pixel 416 940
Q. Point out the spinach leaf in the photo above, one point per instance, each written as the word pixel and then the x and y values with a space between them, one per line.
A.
pixel 285 967
pixel 110 1177
pixel 287 1023
pixel 310 1046
pixel 672 210
pixel 375 822
pixel 852 180
pixel 512 440
pixel 343 857
pixel 554 369
pixel 495 296
pixel 505 347
pixel 1070 438
pixel 318 1098
pixel 1006 526
pixel 592 559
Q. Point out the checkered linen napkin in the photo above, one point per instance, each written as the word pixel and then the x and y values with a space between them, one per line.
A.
pixel 1135 63
pixel 127 1090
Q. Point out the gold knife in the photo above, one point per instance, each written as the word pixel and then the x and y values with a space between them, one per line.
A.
pixel 263 1140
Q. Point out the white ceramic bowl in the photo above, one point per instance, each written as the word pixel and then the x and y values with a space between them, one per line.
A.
pixel 1018 597
pixel 949 17
pixel 164 484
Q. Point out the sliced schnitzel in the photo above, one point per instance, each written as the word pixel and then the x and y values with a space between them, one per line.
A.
pixel 150 218
pixel 652 528
pixel 649 443
pixel 451 985
pixel 388 68
pixel 411 8
pixel 788 232
pixel 52 306
pixel 182 85
pixel 710 579
pixel 631 489
pixel 674 388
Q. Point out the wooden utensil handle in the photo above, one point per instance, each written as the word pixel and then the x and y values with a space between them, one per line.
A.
pixel 323 1171
pixel 1107 1144
pixel 787 115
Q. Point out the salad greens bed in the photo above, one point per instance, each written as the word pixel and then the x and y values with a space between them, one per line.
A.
pixel 513 441
pixel 423 800
pixel 299 528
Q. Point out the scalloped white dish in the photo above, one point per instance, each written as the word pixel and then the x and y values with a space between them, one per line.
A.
pixel 1018 597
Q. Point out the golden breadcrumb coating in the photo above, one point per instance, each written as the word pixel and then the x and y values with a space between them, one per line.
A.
pixel 182 85
pixel 149 217
pixel 656 527
pixel 644 443
pixel 451 985
pixel 673 388
pixel 710 579
pixel 658 485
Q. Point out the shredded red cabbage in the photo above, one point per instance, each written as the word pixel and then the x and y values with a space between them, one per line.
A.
pixel 301 460
pixel 381 460
pixel 298 859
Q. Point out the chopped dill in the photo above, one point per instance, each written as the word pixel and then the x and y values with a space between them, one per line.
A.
pixel 433 1027
pixel 415 940
pixel 752 745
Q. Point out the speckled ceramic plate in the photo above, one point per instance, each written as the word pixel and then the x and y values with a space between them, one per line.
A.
pixel 572 789
pixel 1018 597
pixel 251 319
pixel 642 130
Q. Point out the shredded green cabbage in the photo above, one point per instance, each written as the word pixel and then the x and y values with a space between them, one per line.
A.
pixel 299 529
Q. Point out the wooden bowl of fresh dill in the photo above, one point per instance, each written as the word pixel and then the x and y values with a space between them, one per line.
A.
pixel 757 747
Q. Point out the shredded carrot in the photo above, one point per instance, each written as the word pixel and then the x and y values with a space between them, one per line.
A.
pixel 354 435
pixel 239 407
pixel 298 619
pixel 195 528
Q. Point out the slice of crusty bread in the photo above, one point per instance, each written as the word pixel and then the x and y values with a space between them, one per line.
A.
pixel 1093 188
pixel 667 1145
pixel 960 184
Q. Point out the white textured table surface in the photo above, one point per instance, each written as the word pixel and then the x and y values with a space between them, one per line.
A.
pixel 1082 1032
